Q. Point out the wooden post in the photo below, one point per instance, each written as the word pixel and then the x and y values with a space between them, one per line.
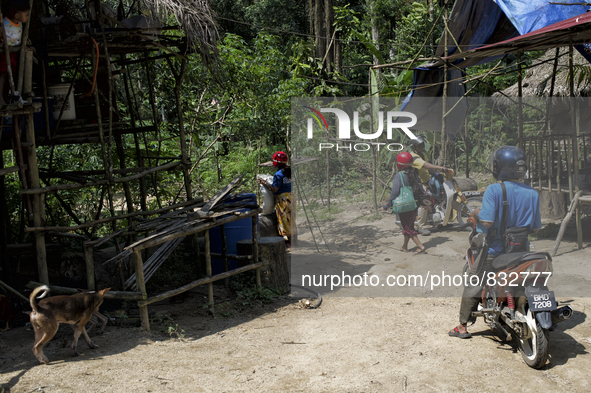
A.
pixel 88 258
pixel 255 249
pixel 208 271
pixel 224 254
pixel 136 256
pixel 28 76
pixel 37 201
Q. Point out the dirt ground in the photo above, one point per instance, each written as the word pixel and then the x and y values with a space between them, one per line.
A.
pixel 355 342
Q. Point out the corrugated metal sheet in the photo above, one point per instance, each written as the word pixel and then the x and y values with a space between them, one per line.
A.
pixel 577 28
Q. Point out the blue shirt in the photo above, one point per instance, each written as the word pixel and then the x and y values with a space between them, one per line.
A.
pixel 281 182
pixel 523 210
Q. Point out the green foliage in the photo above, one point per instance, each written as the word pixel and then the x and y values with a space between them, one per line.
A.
pixel 166 325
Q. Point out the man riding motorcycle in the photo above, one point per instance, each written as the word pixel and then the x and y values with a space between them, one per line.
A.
pixel 425 171
pixel 509 167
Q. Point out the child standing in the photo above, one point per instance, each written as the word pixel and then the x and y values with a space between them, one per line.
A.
pixel 17 13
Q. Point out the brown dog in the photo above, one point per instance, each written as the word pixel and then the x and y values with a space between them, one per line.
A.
pixel 75 310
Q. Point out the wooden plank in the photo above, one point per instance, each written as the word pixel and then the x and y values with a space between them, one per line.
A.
pixel 201 281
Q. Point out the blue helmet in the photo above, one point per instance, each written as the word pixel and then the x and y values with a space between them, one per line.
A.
pixel 509 162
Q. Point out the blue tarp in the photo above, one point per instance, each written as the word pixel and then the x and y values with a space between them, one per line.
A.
pixel 530 15
pixel 475 23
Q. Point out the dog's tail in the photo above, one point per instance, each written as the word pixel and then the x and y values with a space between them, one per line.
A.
pixel 33 295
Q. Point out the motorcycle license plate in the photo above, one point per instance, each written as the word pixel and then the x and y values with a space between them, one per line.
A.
pixel 540 299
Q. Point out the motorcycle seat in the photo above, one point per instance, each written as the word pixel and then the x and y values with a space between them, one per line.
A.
pixel 504 261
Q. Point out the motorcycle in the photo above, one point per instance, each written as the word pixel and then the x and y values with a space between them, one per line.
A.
pixel 444 191
pixel 515 300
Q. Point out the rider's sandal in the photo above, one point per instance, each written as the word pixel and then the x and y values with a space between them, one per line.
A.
pixel 456 333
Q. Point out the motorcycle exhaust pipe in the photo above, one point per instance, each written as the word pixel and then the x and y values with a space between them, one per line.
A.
pixel 562 314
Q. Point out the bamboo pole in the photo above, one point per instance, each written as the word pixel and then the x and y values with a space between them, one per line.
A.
pixel 122 165
pixel 4 223
pixel 38 205
pixel 109 219
pixel 540 167
pixel 143 196
pixel 183 142
pixel 17 143
pixel 519 100
pixel 559 166
pixel 195 229
pixel 208 271
pixel 224 253
pixel 567 146
pixel 202 281
pixel 73 186
pixel 136 257
pixel 152 100
pixel 3 284
pixel 24 39
pixel 89 260
pixel 444 101
pixel 58 290
pixel 28 74
pixel 550 161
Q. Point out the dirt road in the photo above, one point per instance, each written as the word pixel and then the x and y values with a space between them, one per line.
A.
pixel 350 344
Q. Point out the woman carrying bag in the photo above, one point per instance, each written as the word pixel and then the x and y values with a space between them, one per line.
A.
pixel 406 190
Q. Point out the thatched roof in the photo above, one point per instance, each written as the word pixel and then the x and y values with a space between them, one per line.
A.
pixel 196 19
pixel 537 80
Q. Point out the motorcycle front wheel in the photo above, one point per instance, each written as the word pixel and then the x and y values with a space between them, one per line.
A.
pixel 465 209
pixel 533 344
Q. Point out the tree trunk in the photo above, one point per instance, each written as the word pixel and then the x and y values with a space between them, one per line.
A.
pixel 271 249
pixel 319 29
pixel 328 28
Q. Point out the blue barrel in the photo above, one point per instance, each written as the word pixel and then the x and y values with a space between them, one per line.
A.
pixel 235 231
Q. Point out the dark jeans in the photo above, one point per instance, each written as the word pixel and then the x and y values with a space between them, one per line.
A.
pixel 472 294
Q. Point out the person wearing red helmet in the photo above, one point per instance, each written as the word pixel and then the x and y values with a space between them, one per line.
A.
pixel 284 200
pixel 407 175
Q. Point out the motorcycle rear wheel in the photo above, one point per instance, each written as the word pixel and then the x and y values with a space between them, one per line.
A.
pixel 534 344
pixel 465 209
